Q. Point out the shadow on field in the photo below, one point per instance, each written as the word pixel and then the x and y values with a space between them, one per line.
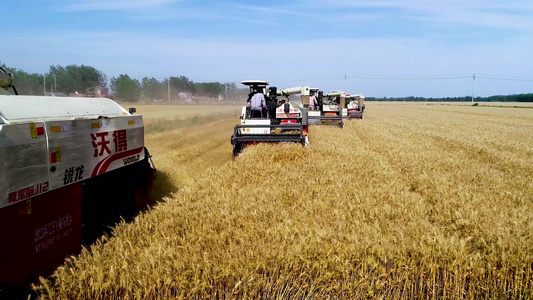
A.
pixel 125 196
pixel 107 200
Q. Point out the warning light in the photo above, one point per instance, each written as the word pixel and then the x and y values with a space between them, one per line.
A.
pixel 53 157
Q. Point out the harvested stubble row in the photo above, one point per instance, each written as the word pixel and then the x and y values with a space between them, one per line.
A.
pixel 413 201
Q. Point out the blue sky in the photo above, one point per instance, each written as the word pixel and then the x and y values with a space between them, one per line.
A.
pixel 387 48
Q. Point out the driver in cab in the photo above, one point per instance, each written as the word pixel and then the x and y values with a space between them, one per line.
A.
pixel 257 103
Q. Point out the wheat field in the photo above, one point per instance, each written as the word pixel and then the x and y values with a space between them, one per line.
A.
pixel 414 201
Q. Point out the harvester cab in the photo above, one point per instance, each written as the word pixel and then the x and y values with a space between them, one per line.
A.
pixel 355 104
pixel 331 109
pixel 280 120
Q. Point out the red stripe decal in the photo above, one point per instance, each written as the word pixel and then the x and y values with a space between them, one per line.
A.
pixel 102 166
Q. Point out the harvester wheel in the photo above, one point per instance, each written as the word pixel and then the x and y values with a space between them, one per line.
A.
pixel 237 149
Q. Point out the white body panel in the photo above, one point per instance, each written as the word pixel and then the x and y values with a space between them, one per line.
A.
pixel 331 108
pixel 311 114
pixel 42 153
pixel 257 130
pixel 294 112
pixel 335 108
pixel 23 164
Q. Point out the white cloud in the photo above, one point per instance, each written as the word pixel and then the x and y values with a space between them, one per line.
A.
pixel 101 5
pixel 195 15
pixel 487 13
pixel 294 12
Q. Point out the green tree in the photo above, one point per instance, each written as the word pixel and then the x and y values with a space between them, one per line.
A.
pixel 210 89
pixel 73 78
pixel 153 88
pixel 125 88
pixel 182 84
pixel 26 83
pixel 231 91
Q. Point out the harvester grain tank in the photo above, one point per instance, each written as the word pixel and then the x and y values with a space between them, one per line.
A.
pixel 282 121
pixel 66 165
pixel 331 109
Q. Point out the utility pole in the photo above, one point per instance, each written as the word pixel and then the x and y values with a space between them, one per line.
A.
pixel 473 86
pixel 168 87
pixel 345 83
pixel 55 85
pixel 44 84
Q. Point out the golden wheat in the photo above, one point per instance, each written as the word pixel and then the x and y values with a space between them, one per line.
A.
pixel 414 201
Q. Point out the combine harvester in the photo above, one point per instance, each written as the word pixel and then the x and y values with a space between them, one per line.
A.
pixel 355 104
pixel 331 109
pixel 69 167
pixel 281 122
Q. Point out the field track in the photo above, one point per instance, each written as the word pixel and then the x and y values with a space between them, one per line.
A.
pixel 414 201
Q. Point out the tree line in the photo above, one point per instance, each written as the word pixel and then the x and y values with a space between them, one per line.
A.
pixel 498 98
pixel 88 81
pixel 64 80
pixel 172 89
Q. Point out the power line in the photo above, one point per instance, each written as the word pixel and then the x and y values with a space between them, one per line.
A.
pixel 405 77
pixel 504 78
pixel 358 76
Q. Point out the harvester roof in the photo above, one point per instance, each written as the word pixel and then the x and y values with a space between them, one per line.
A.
pixel 14 109
pixel 254 82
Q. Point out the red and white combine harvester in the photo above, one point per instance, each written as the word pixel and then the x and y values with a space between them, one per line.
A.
pixel 68 167
pixel 331 109
pixel 355 104
pixel 334 107
pixel 281 121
